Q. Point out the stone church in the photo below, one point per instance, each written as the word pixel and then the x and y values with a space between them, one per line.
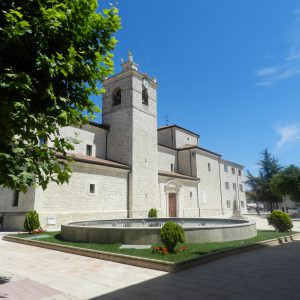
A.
pixel 127 165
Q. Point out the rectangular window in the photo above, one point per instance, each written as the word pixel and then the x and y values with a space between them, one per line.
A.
pixel 89 150
pixel 209 167
pixel 172 167
pixel 15 199
pixel 227 185
pixel 234 186
pixel 241 187
pixel 240 172
pixel 242 204
pixel 92 188
pixel 233 170
pixel 191 194
pixel 228 204
pixel 225 168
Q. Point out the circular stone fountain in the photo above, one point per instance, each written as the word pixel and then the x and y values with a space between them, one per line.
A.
pixel 146 231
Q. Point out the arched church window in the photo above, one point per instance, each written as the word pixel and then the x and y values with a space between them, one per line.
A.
pixel 117 96
pixel 145 97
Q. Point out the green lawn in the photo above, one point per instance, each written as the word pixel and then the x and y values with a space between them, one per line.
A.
pixel 194 250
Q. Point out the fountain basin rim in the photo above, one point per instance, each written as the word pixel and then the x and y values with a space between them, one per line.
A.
pixel 236 223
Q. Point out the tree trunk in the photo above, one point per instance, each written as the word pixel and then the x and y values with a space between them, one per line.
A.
pixel 257 208
pixel 271 206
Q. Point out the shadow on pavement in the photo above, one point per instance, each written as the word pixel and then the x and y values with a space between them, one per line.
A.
pixel 4 279
pixel 267 273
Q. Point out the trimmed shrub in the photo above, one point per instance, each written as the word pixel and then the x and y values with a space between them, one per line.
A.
pixel 171 234
pixel 32 221
pixel 280 221
pixel 152 213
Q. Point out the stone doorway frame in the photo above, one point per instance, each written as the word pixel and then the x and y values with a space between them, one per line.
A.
pixel 173 186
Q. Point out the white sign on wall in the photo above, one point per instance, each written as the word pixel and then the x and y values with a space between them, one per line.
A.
pixel 51 220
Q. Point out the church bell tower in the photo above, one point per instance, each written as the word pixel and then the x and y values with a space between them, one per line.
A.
pixel 130 109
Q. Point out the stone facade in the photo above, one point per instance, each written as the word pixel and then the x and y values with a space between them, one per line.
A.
pixel 127 165
pixel 232 185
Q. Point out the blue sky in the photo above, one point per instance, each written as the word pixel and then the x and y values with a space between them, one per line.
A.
pixel 228 70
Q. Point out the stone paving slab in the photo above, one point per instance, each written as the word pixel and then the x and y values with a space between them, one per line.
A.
pixel 72 276
pixel 26 289
pixel 135 246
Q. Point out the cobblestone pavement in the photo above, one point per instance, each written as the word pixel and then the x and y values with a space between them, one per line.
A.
pixel 28 272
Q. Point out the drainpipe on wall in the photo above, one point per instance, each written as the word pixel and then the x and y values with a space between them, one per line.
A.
pixel 128 194
pixel 106 144
pixel 177 163
pixel 219 161
pixel 238 191
pixel 2 221
pixel 191 163
pixel 198 201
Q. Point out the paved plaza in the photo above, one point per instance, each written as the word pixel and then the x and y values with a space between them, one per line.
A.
pixel 28 272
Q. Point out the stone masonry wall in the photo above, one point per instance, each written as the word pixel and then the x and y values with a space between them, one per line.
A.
pixel 184 162
pixel 74 201
pixel 184 138
pixel 144 152
pixel 119 117
pixel 186 196
pixel 87 135
pixel 26 201
pixel 209 186
pixel 229 195
pixel 166 157
pixel 165 137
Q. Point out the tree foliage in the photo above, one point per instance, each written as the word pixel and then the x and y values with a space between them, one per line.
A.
pixel 287 183
pixel 261 184
pixel 53 53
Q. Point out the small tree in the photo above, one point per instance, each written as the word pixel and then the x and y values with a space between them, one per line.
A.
pixel 261 185
pixel 152 213
pixel 32 221
pixel 171 234
pixel 287 183
pixel 280 221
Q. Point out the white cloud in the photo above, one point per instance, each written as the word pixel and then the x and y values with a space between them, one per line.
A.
pixel 296 11
pixel 267 71
pixel 288 134
pixel 290 65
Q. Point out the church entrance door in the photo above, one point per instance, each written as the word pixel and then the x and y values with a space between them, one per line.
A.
pixel 172 205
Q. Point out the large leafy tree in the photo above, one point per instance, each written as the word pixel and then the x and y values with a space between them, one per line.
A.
pixel 53 54
pixel 287 183
pixel 261 184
